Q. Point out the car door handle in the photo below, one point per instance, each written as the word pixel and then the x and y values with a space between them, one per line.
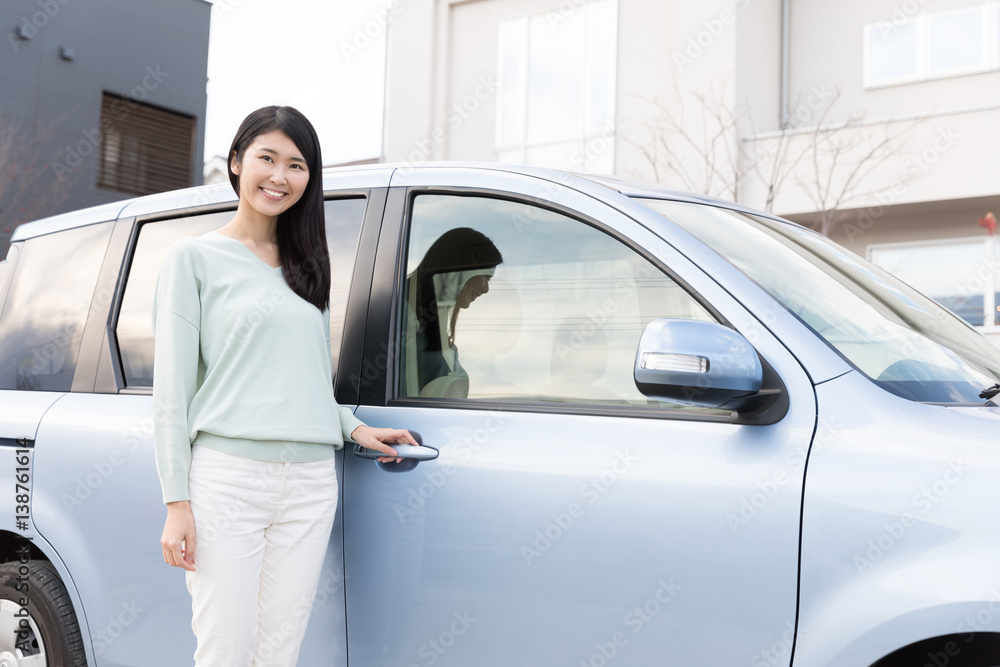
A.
pixel 421 453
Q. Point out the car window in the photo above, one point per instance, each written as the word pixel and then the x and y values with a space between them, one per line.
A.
pixel 905 342
pixel 134 330
pixel 46 309
pixel 507 300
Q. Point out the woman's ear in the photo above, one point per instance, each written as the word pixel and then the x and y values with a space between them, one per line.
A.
pixel 234 164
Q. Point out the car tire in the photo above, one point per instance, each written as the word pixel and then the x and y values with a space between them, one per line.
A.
pixel 53 634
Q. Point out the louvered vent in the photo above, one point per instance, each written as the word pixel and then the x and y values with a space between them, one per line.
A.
pixel 144 149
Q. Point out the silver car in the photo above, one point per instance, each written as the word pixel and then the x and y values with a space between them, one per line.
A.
pixel 664 430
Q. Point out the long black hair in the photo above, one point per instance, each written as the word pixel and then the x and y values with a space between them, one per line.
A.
pixel 302 228
pixel 459 249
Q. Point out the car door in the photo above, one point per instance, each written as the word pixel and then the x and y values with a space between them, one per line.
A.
pixel 98 500
pixel 568 519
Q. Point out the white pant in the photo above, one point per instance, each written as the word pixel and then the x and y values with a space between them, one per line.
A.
pixel 262 530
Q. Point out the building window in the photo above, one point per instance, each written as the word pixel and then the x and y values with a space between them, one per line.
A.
pixel 932 45
pixel 556 88
pixel 956 40
pixel 144 149
pixel 960 274
pixel 893 53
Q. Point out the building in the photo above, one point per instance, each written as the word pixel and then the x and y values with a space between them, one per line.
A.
pixel 101 100
pixel 874 120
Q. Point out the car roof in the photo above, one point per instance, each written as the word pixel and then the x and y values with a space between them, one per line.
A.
pixel 179 202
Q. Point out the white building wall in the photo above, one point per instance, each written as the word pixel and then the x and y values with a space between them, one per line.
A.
pixel 673 56
pixel 945 124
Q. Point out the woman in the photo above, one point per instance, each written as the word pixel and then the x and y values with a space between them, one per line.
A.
pixel 245 420
pixel 454 272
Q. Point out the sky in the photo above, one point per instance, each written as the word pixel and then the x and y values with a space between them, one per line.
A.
pixel 324 57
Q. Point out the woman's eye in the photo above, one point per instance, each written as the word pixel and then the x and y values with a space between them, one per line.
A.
pixel 265 157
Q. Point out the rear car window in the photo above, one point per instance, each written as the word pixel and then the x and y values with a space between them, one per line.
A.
pixel 45 312
pixel 134 329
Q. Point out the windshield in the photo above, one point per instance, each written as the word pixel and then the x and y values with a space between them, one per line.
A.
pixel 899 338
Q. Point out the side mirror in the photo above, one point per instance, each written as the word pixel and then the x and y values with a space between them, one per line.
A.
pixel 697 363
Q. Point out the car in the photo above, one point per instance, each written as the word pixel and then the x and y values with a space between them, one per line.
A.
pixel 664 430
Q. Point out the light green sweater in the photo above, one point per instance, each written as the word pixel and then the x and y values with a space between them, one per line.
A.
pixel 242 363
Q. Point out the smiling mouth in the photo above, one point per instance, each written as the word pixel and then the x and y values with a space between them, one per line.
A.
pixel 273 194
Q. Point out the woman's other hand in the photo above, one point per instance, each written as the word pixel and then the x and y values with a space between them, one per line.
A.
pixel 178 540
pixel 379 439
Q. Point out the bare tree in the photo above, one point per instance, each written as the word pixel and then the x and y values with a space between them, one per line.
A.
pixel 715 152
pixel 29 187
pixel 840 158
pixel 698 148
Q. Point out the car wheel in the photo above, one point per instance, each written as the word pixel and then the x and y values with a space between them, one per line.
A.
pixel 49 636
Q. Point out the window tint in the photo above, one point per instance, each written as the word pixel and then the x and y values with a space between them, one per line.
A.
pixel 134 331
pixel 505 300
pixel 46 308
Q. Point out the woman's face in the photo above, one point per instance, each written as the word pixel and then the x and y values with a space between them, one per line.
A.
pixel 273 174
pixel 474 287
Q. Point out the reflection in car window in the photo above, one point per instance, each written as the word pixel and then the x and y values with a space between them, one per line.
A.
pixel 506 300
pixel 134 331
pixel 42 323
pixel 904 341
